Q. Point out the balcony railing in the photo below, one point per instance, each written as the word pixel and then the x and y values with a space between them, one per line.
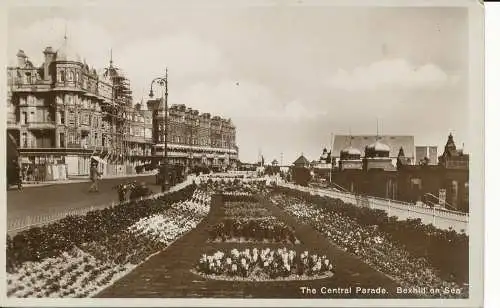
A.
pixel 40 125
pixel 39 85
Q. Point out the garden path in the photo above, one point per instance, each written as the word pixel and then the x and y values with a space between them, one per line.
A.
pixel 167 274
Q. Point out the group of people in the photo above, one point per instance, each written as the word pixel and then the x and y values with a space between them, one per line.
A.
pixel 132 191
pixel 22 174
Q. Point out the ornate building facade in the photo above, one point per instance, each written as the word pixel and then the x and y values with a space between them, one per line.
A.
pixel 64 113
pixel 371 172
pixel 361 142
pixel 195 139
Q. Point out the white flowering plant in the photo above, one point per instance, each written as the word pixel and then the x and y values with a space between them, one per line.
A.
pixel 264 264
pixel 245 209
pixel 384 246
pixel 80 256
pixel 179 219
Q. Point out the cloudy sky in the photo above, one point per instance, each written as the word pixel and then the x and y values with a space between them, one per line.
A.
pixel 287 76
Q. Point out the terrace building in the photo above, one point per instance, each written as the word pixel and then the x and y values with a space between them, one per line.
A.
pixel 195 139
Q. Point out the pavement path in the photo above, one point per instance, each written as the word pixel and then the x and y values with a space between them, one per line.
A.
pixel 46 200
pixel 168 275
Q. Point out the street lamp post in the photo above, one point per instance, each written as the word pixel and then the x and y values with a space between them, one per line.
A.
pixel 331 160
pixel 163 81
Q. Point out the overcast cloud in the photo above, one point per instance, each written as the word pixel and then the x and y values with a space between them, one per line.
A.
pixel 287 77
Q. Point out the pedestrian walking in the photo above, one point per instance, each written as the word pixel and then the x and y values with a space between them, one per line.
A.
pixel 94 177
pixel 29 173
pixel 19 176
pixel 36 174
pixel 25 173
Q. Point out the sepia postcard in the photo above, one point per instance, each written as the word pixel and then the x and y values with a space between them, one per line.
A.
pixel 243 153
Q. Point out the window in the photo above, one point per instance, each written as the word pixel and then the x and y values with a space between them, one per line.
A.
pixel 61 76
pixel 61 140
pixel 24 140
pixel 85 119
pixel 71 117
pixel 71 76
pixel 28 78
pixel 61 117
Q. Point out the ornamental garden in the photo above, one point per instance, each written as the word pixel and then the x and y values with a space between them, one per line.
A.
pixel 230 238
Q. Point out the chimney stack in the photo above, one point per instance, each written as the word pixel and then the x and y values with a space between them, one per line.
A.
pixel 49 58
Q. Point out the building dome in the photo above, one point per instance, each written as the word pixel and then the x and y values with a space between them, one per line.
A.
pixel 67 53
pixel 378 147
pixel 350 151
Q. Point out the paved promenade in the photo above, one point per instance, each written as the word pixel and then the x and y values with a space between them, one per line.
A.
pixel 46 200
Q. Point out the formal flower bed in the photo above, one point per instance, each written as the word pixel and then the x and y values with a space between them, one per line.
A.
pixel 182 217
pixel 234 188
pixel 264 265
pixel 239 209
pixel 78 256
pixel 267 229
pixel 72 274
pixel 237 193
pixel 411 253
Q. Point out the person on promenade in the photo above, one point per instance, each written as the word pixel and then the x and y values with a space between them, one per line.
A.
pixel 123 189
pixel 94 177
pixel 19 175
pixel 25 173
pixel 36 174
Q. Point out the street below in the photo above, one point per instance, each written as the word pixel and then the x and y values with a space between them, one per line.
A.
pixel 45 200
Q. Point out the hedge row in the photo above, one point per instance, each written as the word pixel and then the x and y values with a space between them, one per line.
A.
pixel 446 250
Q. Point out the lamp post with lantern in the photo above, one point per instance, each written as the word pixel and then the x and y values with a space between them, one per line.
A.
pixel 163 81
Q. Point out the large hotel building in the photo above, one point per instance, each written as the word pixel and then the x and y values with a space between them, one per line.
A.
pixel 63 114
pixel 193 138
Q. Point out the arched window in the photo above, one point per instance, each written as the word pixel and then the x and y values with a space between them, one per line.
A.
pixel 71 76
pixel 61 76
